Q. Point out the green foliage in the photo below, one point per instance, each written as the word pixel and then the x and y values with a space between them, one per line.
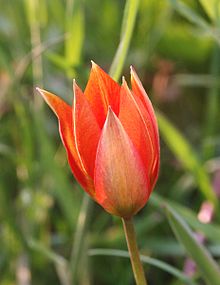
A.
pixel 212 8
pixel 200 255
pixel 183 151
pixel 47 226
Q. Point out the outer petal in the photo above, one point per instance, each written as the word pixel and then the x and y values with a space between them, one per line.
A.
pixel 64 113
pixel 86 130
pixel 102 91
pixel 121 185
pixel 130 116
pixel 149 118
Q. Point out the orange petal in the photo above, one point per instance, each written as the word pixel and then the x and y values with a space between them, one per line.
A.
pixel 102 91
pixel 86 130
pixel 64 113
pixel 121 185
pixel 139 91
pixel 149 118
pixel 131 118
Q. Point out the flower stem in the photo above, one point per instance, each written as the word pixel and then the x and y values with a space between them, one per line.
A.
pixel 133 251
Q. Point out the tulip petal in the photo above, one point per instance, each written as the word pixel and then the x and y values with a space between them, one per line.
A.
pixel 149 118
pixel 130 116
pixel 121 184
pixel 64 113
pixel 86 130
pixel 138 90
pixel 101 92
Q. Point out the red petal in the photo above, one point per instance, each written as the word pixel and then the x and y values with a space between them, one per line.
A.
pixel 139 91
pixel 130 116
pixel 86 130
pixel 149 118
pixel 121 185
pixel 102 91
pixel 64 113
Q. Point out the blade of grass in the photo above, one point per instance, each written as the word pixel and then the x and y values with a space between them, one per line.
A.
pixel 197 251
pixel 190 15
pixel 75 29
pixel 81 228
pixel 128 23
pixel 211 231
pixel 61 186
pixel 33 10
pixel 145 259
pixel 7 214
pixel 212 107
pixel 60 262
pixel 187 156
pixel 212 8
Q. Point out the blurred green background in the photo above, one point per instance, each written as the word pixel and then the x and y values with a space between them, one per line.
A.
pixel 50 232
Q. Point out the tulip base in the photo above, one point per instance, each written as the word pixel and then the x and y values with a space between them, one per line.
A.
pixel 133 251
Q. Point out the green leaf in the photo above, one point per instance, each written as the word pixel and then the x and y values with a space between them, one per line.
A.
pixel 60 263
pixel 75 30
pixel 211 231
pixel 58 60
pixel 128 23
pixel 145 259
pixel 198 252
pixel 194 18
pixel 47 252
pixel 212 8
pixel 187 156
pixel 60 184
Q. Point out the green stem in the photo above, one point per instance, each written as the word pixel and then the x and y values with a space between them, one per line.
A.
pixel 134 253
pixel 32 8
pixel 212 108
pixel 128 23
pixel 79 237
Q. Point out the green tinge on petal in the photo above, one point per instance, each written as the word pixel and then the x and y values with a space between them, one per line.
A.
pixel 121 185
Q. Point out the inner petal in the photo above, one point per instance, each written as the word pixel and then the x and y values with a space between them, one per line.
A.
pixel 149 118
pixel 86 130
pixel 139 92
pixel 101 92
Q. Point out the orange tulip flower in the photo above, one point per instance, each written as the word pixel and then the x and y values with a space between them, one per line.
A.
pixel 111 137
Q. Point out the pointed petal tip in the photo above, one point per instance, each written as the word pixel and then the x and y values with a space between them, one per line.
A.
pixel 125 86
pixel 111 117
pixel 77 92
pixel 94 65
pixel 133 73
pixel 110 113
pixel 45 94
pixel 39 90
pixel 75 85
pixel 96 68
pixel 123 80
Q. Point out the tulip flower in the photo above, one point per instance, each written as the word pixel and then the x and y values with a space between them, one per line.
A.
pixel 110 134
